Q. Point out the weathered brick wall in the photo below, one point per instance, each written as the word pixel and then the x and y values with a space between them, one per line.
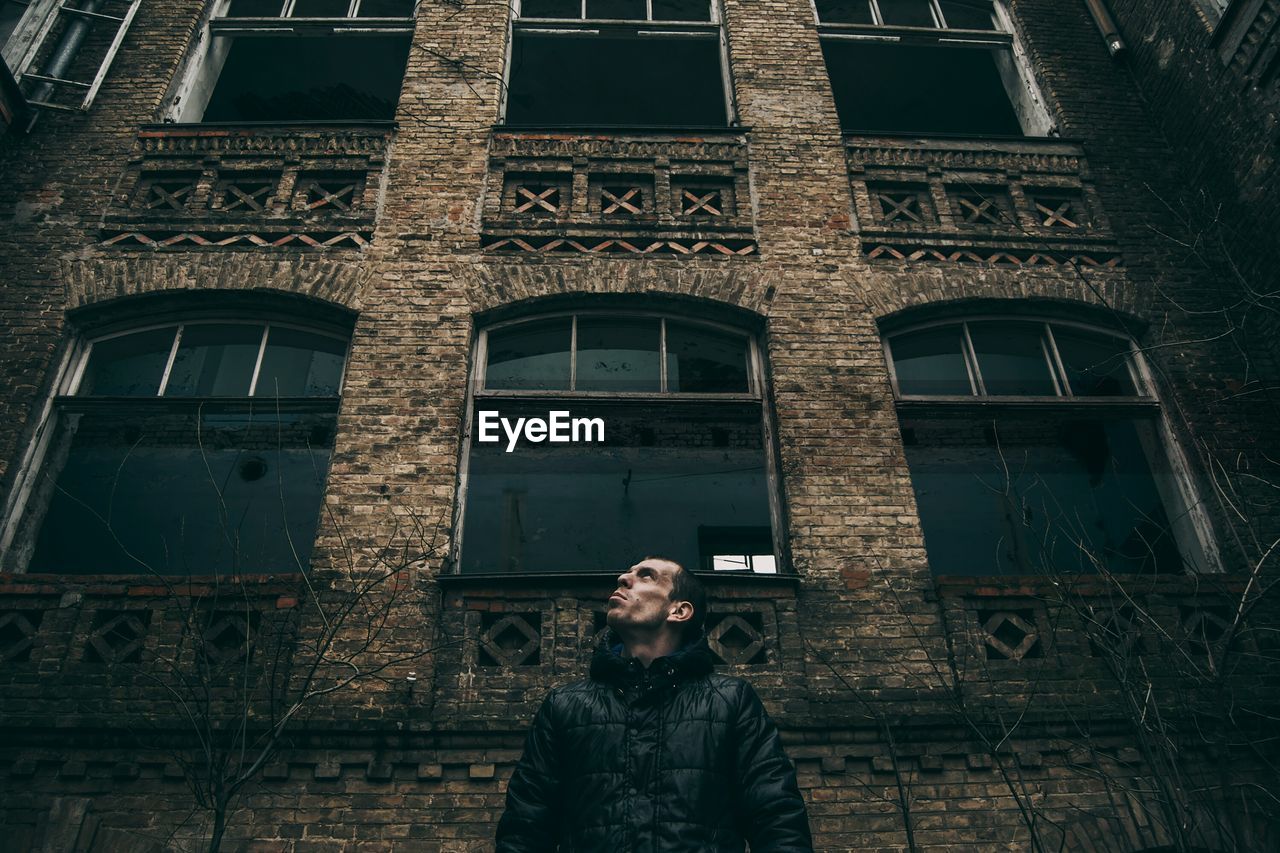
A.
pixel 854 652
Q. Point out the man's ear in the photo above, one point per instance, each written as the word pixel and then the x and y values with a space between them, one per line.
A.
pixel 680 611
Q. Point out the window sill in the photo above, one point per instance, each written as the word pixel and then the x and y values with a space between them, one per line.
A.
pixel 621 129
pixel 144 585
pixel 498 582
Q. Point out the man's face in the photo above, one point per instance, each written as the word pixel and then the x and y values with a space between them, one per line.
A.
pixel 643 596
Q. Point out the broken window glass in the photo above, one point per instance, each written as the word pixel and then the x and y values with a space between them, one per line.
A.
pixel 906 13
pixel 968 14
pixel 845 12
pixel 214 360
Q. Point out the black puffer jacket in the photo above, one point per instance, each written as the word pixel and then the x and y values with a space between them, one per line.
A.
pixel 672 758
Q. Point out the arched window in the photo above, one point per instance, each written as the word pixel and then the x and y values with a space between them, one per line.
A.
pixel 198 446
pixel 596 438
pixel 1037 447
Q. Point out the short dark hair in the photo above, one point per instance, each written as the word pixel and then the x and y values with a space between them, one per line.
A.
pixel 686 586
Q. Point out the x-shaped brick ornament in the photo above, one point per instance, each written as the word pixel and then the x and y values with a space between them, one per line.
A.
pixel 546 198
pixel 614 202
pixel 709 204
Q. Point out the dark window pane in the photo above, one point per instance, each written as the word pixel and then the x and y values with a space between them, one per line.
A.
pixel 1036 495
pixel 617 355
pixel 968 14
pixel 662 477
pixel 255 8
pixel 385 9
pixel 906 13
pixel 707 361
pixel 10 14
pixel 1096 365
pixel 320 8
pixel 565 80
pixel 147 492
pixel 630 10
pixel 300 364
pixel 845 12
pixel 909 89
pixel 288 78
pixel 551 9
pixel 128 366
pixel 214 360
pixel 930 362
pixel 681 10
pixel 530 356
pixel 1012 359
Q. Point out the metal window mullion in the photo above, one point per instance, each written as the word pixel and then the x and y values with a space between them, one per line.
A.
pixel 935 9
pixel 168 365
pixel 970 354
pixel 1055 364
pixel 352 8
pixel 257 364
pixel 573 351
pixel 583 12
pixel 648 10
pixel 876 17
pixel 662 355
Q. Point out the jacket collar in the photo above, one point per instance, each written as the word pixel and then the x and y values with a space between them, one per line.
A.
pixel 609 666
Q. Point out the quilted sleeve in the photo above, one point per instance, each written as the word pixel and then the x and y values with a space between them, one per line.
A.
pixel 531 822
pixel 773 815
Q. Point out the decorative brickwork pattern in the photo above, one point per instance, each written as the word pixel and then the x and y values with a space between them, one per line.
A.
pixel 638 195
pixel 189 186
pixel 1013 202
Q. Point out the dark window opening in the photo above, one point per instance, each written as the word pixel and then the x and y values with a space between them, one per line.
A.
pixel 193 448
pixel 208 492
pixel 283 78
pixel 593 80
pixel 893 88
pixel 660 476
pixel 1048 496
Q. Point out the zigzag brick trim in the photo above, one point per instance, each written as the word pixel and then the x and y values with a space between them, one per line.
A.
pixel 347 239
pixel 1005 257
pixel 617 245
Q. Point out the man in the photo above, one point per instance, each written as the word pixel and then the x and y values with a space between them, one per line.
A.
pixel 654 752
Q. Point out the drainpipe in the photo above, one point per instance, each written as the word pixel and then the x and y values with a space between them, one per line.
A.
pixel 63 54
pixel 1107 26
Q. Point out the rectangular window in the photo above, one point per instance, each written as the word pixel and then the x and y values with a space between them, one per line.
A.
pixel 617 62
pixel 680 467
pixel 193 448
pixel 300 60
pixel 1035 448
pixel 927 66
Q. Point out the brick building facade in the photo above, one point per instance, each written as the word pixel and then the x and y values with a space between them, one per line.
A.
pixel 901 320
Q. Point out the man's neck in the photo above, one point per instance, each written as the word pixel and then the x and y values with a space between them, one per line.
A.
pixel 647 648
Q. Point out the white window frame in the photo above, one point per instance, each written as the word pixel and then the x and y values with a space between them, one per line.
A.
pixel 69 372
pixel 756 378
pixel 640 29
pixel 1189 520
pixel 1015 68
